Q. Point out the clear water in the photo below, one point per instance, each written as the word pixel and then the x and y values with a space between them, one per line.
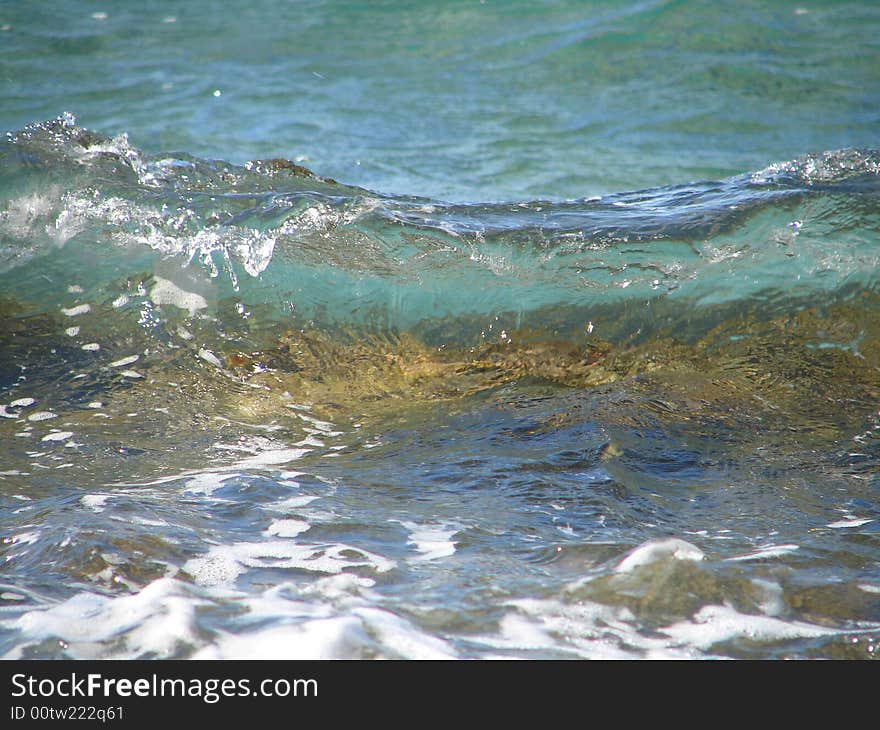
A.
pixel 580 357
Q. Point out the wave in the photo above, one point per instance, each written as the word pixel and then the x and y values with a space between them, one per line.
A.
pixel 161 313
pixel 84 210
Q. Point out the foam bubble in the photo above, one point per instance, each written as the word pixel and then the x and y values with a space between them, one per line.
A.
pixel 224 563
pixel 432 541
pixel 586 629
pixel 323 426
pixel 714 624
pixel 125 361
pixel 655 550
pixel 28 538
pixel 206 483
pixel 216 568
pixel 77 310
pixel 210 357
pixel 272 457
pixel 771 551
pixel 95 502
pixel 287 528
pixel 58 436
pixel 156 621
pixel 340 637
pixel 167 292
pixel 401 638
pixel 332 617
pixel 293 503
pixel 853 522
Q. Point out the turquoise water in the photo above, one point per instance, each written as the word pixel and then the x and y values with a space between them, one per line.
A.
pixel 542 330
pixel 458 100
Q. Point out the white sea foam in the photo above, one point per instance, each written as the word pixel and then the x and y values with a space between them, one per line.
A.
pixel 585 629
pixel 217 568
pixel 58 436
pixel 714 624
pixel 401 638
pixel 210 357
pixel 167 292
pixel 271 457
pixel 224 563
pixel 291 504
pixel 331 618
pixel 28 214
pixel 155 621
pixel 206 483
pixel 771 551
pixel 77 310
pixel 655 550
pixel 28 538
pixel 265 453
pixel 324 426
pixel 851 522
pixel 431 540
pixel 287 528
pixel 124 361
pixel 254 249
pixel 134 519
pixel 339 637
pixel 592 630
pixel 95 502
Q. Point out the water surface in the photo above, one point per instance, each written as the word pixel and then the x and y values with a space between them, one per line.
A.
pixel 358 330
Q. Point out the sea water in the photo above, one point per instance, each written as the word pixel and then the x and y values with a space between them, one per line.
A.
pixel 450 330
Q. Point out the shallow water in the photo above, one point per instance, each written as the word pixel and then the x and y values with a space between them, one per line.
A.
pixel 626 408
